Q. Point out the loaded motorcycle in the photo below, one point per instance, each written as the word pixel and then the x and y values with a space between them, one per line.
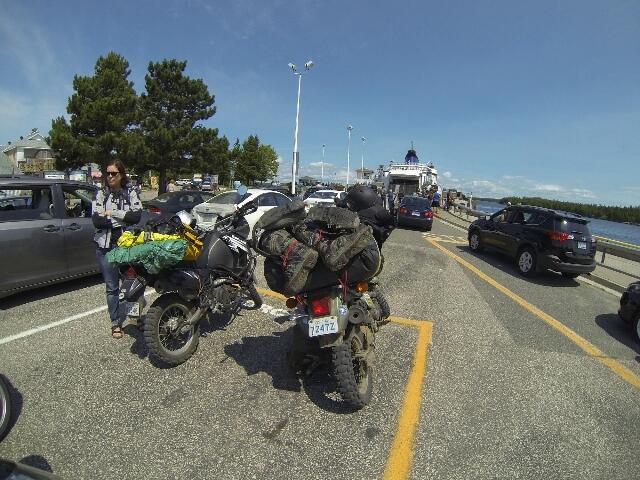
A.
pixel 220 280
pixel 342 317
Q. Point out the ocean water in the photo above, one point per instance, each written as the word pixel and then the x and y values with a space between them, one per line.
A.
pixel 602 228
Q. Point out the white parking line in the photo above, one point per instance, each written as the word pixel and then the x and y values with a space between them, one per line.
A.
pixel 42 328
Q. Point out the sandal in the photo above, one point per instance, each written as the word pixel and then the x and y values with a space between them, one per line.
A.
pixel 116 332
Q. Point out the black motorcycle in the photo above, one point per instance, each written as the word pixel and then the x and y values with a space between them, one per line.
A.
pixel 342 317
pixel 220 280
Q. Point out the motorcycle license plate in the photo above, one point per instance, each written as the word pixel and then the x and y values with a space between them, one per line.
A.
pixel 582 245
pixel 133 309
pixel 323 326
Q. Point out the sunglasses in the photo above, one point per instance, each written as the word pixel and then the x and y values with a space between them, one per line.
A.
pixel 113 174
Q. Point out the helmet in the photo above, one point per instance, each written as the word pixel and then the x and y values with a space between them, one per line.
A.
pixel 360 197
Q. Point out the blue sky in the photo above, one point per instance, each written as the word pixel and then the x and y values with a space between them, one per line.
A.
pixel 536 98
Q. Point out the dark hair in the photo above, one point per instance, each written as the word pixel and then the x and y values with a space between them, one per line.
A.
pixel 123 171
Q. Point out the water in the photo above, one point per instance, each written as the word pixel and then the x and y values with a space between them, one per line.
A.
pixel 602 228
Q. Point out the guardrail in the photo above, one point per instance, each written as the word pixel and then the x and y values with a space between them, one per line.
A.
pixel 604 245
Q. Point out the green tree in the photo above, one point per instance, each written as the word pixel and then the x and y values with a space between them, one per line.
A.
pixel 171 108
pixel 102 117
pixel 255 162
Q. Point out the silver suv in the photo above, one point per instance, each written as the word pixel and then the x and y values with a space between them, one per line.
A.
pixel 46 233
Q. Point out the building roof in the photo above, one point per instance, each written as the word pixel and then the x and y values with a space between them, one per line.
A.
pixel 33 140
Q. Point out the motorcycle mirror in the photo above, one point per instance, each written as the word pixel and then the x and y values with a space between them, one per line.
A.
pixel 242 189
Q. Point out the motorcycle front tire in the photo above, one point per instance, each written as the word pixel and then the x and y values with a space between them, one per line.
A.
pixel 353 372
pixel 5 408
pixel 170 306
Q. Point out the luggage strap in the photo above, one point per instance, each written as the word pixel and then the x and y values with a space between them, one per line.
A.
pixel 285 255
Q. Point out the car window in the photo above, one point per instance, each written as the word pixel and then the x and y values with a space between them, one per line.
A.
pixel 203 197
pixel 77 201
pixel 25 203
pixel 165 198
pixel 531 218
pixel 323 195
pixel 501 216
pixel 415 202
pixel 282 200
pixel 267 200
pixel 571 225
pixel 228 198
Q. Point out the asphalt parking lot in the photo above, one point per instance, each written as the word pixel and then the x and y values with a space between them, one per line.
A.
pixel 503 393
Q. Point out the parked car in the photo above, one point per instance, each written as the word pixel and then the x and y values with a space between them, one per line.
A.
pixel 206 185
pixel 324 197
pixel 630 308
pixel 416 212
pixel 46 231
pixel 207 213
pixel 173 202
pixel 538 239
pixel 311 190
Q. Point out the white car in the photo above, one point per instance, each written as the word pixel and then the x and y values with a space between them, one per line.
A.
pixel 207 213
pixel 323 198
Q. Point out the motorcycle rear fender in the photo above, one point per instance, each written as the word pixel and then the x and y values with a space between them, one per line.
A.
pixel 133 288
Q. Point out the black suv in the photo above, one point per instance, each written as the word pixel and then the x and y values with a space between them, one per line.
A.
pixel 538 239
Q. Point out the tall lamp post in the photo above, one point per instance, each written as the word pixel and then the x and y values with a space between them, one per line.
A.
pixel 349 128
pixel 322 165
pixel 362 160
pixel 296 153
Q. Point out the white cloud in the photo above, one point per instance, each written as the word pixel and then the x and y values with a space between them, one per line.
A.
pixel 447 174
pixel 319 165
pixel 548 187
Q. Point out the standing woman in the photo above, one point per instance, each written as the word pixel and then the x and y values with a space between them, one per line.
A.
pixel 116 205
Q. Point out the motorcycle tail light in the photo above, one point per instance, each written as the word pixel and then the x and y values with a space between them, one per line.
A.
pixel 362 287
pixel 320 306
pixel 130 273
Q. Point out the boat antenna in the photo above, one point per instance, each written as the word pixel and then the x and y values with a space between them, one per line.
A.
pixel 411 144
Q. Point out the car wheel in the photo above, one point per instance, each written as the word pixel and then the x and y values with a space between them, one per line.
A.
pixel 636 327
pixel 475 243
pixel 526 262
pixel 570 275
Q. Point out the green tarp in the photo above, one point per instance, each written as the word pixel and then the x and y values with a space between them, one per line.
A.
pixel 154 256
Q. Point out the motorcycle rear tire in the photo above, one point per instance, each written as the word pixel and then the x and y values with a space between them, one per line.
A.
pixel 158 310
pixel 5 408
pixel 353 375
pixel 380 299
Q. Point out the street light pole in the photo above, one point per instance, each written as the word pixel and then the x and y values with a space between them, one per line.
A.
pixel 296 153
pixel 322 165
pixel 349 128
pixel 362 160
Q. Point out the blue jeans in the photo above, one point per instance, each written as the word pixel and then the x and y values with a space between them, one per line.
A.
pixel 111 276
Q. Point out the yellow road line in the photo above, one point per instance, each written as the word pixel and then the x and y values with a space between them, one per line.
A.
pixel 398 466
pixel 591 350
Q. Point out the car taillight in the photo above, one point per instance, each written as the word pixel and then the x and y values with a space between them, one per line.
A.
pixel 130 272
pixel 428 214
pixel 403 210
pixel 153 209
pixel 320 306
pixel 555 235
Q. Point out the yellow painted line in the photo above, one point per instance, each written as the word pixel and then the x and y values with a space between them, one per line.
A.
pixel 590 349
pixel 398 466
